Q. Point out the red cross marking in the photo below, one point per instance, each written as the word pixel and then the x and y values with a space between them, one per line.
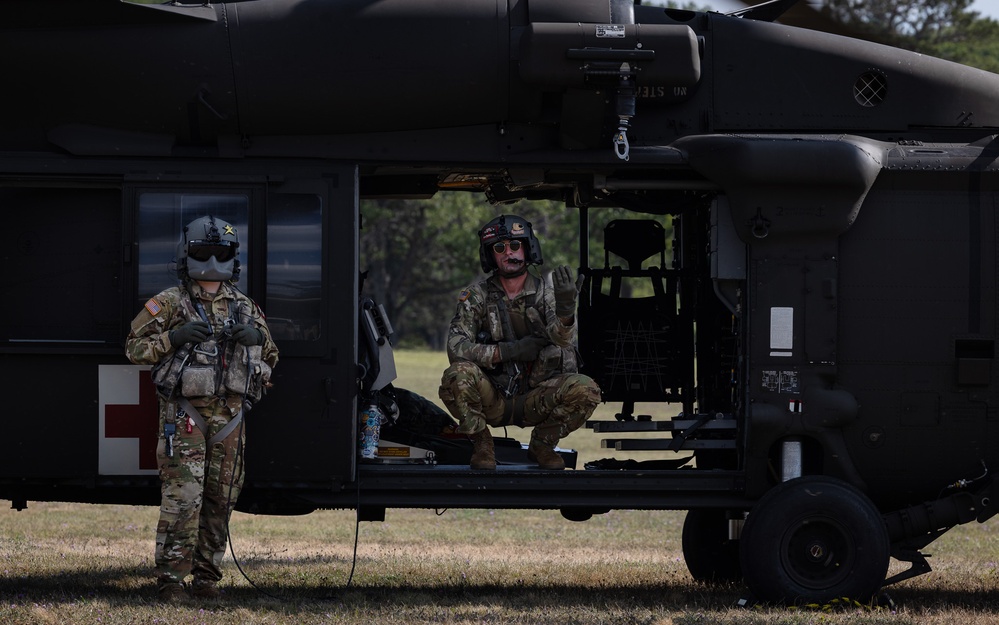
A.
pixel 139 421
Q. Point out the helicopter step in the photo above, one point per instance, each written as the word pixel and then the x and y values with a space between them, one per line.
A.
pixel 714 422
pixel 646 444
pixel 685 433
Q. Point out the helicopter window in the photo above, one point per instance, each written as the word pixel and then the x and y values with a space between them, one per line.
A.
pixel 294 266
pixel 162 217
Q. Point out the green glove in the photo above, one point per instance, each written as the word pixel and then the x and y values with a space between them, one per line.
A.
pixel 565 291
pixel 522 350
pixel 246 334
pixel 190 332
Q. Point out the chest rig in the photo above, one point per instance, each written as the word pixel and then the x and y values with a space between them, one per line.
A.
pixel 509 321
pixel 216 367
pixel 211 359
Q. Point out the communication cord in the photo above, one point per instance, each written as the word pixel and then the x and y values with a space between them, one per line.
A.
pixel 228 506
pixel 232 550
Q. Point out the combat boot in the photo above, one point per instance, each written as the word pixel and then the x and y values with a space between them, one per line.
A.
pixel 545 456
pixel 483 453
pixel 205 589
pixel 171 592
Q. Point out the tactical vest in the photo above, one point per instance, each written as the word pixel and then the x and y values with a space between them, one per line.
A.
pixel 503 324
pixel 217 367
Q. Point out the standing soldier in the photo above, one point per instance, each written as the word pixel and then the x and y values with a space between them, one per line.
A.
pixel 511 346
pixel 212 356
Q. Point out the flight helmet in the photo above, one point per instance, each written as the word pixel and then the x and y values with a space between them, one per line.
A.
pixel 208 250
pixel 508 228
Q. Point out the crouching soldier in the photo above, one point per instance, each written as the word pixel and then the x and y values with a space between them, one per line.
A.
pixel 511 345
pixel 212 357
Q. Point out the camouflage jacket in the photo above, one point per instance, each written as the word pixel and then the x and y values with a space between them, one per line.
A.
pixel 478 326
pixel 149 339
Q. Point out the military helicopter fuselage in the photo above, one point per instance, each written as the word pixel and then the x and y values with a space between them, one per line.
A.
pixel 834 265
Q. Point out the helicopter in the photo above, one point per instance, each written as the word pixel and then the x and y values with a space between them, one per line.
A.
pixel 822 341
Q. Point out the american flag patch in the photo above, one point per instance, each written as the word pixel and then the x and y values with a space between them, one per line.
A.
pixel 153 307
pixel 463 295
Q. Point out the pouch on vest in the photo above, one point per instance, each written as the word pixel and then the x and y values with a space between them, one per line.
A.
pixel 553 360
pixel 198 378
pixel 167 372
pixel 247 374
pixel 197 381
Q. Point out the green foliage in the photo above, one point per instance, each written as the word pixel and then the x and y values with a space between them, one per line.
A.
pixel 979 47
pixel 907 23
pixel 418 254
pixel 947 29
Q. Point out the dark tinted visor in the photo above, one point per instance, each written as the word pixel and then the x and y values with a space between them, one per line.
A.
pixel 223 252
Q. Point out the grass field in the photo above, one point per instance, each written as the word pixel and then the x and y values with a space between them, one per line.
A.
pixel 74 563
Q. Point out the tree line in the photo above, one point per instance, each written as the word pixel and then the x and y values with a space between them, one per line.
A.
pixel 417 255
pixel 948 29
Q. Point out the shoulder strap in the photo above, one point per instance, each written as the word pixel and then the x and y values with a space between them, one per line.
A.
pixel 538 295
pixel 191 305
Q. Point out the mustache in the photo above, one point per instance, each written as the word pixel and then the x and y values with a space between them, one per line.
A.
pixel 515 261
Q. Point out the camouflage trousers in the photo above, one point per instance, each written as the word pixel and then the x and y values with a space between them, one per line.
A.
pixel 198 490
pixel 555 407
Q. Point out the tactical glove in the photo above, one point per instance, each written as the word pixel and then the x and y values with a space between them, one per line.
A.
pixel 246 334
pixel 190 332
pixel 565 291
pixel 522 350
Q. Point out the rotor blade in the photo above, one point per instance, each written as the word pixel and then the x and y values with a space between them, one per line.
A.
pixel 766 12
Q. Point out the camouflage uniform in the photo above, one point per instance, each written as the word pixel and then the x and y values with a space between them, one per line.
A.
pixel 551 396
pixel 199 486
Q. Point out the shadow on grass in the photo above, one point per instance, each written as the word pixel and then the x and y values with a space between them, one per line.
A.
pixel 119 585
pixel 310 592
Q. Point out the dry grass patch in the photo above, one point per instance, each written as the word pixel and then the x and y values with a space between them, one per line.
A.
pixel 67 563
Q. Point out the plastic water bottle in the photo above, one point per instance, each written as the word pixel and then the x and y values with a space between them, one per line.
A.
pixel 371 425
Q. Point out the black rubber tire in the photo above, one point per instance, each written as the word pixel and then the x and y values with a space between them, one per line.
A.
pixel 814 539
pixel 710 556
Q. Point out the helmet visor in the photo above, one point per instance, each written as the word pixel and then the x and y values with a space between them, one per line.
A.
pixel 202 251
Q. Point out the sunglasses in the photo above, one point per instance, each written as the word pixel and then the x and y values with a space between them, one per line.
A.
pixel 223 252
pixel 500 246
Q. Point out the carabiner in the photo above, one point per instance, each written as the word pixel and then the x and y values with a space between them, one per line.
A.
pixel 621 146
